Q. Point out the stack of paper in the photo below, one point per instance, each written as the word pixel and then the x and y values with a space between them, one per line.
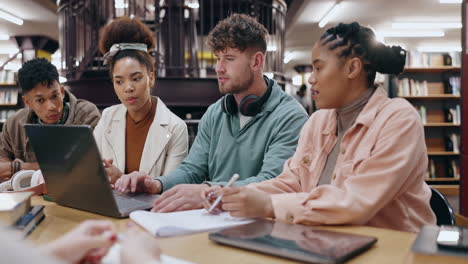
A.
pixel 185 222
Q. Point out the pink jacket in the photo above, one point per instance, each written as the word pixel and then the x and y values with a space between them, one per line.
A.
pixel 378 178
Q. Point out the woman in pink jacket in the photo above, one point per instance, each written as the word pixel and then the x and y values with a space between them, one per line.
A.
pixel 360 160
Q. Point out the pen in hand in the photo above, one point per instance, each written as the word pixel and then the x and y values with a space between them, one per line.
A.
pixel 231 182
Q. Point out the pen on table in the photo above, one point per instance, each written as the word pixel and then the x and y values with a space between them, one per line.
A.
pixel 231 182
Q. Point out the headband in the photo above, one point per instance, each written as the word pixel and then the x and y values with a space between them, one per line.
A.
pixel 123 46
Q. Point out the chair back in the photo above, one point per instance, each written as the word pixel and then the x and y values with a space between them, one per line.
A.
pixel 442 209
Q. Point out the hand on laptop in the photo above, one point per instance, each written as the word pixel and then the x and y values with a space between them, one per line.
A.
pixel 112 171
pixel 180 198
pixel 242 201
pixel 85 243
pixel 137 182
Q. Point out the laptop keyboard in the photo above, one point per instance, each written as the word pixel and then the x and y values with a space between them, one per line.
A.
pixel 126 203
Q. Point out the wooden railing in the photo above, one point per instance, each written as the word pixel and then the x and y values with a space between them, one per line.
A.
pixel 180 28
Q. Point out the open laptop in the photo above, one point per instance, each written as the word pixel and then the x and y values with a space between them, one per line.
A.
pixel 298 242
pixel 73 171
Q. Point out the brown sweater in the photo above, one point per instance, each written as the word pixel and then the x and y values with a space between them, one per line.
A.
pixel 135 138
pixel 14 144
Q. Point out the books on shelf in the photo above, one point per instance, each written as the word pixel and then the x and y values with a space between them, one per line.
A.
pixel 452 143
pixel 453 115
pixel 410 87
pixel 443 169
pixel 7 77
pixel 455 168
pixel 456 142
pixel 13 206
pixel 431 170
pixel 452 86
pixel 432 59
pixel 5 114
pixel 422 113
pixel 8 96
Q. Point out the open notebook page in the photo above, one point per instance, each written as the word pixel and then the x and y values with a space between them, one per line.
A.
pixel 185 222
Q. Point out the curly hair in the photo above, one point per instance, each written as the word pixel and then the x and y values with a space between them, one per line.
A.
pixel 37 71
pixel 354 40
pixel 238 31
pixel 127 30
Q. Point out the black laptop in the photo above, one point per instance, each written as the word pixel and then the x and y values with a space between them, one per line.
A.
pixel 297 242
pixel 74 174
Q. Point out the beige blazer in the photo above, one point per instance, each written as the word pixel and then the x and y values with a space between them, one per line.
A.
pixel 165 147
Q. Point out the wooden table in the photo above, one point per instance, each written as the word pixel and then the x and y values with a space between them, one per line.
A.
pixel 392 246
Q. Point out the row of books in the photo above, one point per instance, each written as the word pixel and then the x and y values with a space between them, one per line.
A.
pixel 411 87
pixel 5 114
pixel 452 143
pixel 452 86
pixel 452 169
pixel 16 211
pixel 451 115
pixel 7 77
pixel 433 59
pixel 9 96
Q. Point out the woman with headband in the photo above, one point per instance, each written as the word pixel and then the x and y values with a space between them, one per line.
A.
pixel 141 133
pixel 360 160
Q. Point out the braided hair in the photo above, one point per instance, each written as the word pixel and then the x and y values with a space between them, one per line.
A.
pixel 354 40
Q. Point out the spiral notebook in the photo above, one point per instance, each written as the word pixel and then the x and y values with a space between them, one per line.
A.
pixel 185 222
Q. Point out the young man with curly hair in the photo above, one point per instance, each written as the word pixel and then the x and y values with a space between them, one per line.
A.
pixel 47 102
pixel 251 131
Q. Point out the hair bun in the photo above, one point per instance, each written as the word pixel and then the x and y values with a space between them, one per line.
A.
pixel 125 30
pixel 390 60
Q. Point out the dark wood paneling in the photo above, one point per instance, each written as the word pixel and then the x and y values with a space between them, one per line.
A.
pixel 464 127
pixel 175 92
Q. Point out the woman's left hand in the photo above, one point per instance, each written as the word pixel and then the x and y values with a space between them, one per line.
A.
pixel 112 171
pixel 246 202
pixel 89 242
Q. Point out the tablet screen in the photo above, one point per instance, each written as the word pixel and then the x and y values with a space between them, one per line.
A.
pixel 298 242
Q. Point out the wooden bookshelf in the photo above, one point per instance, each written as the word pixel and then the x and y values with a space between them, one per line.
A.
pixel 431 97
pixel 447 189
pixel 7 84
pixel 454 180
pixel 433 107
pixel 438 69
pixel 442 153
pixel 441 124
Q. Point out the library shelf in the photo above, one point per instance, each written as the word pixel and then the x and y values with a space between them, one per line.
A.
pixel 7 85
pixel 442 153
pixel 447 189
pixel 431 97
pixel 454 180
pixel 438 69
pixel 441 124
